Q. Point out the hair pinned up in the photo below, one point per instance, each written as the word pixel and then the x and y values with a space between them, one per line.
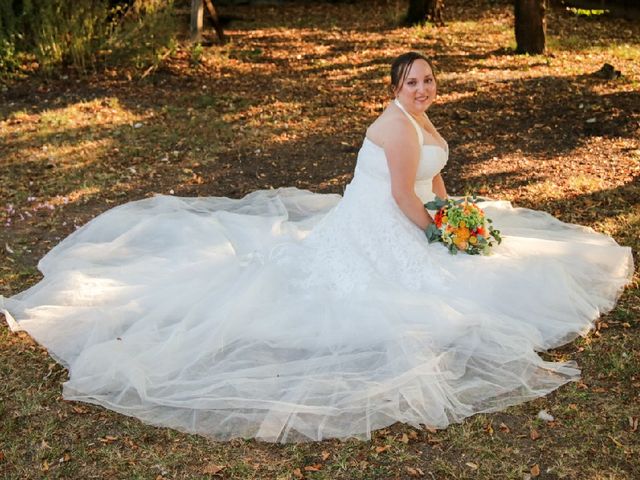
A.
pixel 401 66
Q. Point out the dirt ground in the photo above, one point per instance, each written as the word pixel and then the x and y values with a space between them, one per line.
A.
pixel 286 103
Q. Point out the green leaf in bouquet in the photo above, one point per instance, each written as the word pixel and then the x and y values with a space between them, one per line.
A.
pixel 495 234
pixel 433 233
pixel 435 204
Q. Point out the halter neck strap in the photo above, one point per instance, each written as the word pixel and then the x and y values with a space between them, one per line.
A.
pixel 413 120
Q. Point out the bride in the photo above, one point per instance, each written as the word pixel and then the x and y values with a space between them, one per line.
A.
pixel 289 315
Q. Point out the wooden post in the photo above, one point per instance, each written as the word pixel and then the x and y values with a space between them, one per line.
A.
pixel 197 17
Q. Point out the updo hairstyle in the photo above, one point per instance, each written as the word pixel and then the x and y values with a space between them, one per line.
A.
pixel 400 69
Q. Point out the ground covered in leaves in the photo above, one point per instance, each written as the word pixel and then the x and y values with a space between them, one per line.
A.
pixel 286 102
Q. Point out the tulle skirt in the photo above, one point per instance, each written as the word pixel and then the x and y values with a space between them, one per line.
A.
pixel 288 315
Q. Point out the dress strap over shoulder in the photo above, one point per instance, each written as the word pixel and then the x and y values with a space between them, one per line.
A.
pixel 413 120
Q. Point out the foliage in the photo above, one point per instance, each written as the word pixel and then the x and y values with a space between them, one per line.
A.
pixel 80 33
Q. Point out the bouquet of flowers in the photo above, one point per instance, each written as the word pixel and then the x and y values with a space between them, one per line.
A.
pixel 461 226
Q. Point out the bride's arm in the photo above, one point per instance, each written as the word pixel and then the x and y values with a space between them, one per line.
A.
pixel 403 155
pixel 438 187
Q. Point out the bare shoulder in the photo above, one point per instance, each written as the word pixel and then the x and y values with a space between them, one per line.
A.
pixel 391 128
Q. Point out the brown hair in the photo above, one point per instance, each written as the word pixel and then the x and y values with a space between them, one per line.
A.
pixel 401 66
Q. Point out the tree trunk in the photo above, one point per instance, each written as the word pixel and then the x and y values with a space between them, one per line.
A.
pixel 197 17
pixel 215 19
pixel 530 26
pixel 425 10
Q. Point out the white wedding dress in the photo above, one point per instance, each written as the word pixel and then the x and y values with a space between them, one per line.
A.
pixel 289 315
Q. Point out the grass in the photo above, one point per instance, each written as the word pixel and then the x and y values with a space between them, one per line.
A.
pixel 286 102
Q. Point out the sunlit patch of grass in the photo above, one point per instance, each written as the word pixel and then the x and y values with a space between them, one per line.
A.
pixel 424 30
pixel 544 191
pixel 583 12
pixel 55 118
pixel 623 226
pixel 622 51
pixel 567 42
pixel 584 183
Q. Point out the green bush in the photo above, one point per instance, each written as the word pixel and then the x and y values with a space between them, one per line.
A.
pixel 81 33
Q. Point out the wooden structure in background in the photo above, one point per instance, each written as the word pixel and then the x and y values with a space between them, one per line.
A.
pixel 197 20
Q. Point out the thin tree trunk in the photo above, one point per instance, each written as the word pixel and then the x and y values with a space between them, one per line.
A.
pixel 417 12
pixel 215 19
pixel 530 26
pixel 197 17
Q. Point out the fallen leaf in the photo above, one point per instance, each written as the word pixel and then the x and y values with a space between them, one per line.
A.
pixel 383 449
pixel 504 428
pixel 472 465
pixel 414 472
pixel 1 456
pixel 413 435
pixel 489 428
pixel 297 473
pixel 313 468
pixel 45 466
pixel 535 471
pixel 534 435
pixel 325 455
pixel 633 423
pixel 405 438
pixel 212 469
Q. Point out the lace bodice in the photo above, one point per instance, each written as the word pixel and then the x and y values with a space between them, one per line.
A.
pixel 367 233
pixel 372 166
pixel 372 163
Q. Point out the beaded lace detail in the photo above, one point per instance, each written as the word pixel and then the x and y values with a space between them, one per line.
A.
pixel 367 234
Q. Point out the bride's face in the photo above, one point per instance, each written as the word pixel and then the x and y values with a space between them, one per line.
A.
pixel 418 91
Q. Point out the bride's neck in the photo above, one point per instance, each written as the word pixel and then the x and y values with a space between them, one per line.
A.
pixel 417 115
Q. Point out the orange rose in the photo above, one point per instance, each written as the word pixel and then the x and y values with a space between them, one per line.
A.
pixel 462 234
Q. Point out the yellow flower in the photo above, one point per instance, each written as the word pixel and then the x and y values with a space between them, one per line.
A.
pixel 445 219
pixel 462 224
pixel 462 245
pixel 473 240
pixel 462 234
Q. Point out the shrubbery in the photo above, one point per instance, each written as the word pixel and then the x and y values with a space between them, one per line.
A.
pixel 82 33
